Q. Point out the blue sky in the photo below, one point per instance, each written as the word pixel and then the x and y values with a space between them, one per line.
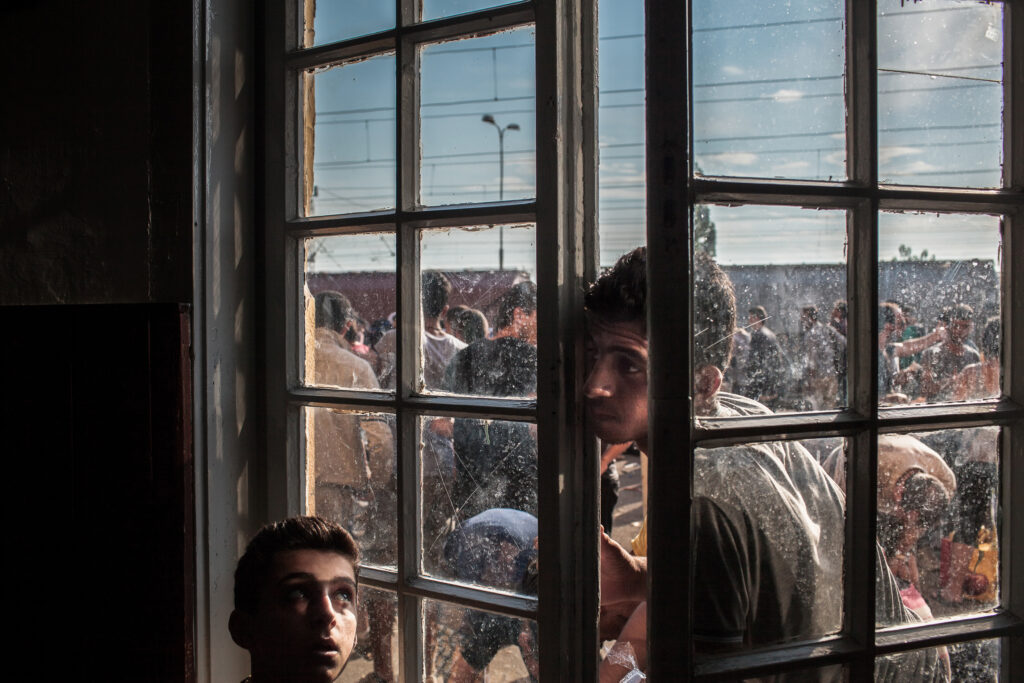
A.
pixel 768 102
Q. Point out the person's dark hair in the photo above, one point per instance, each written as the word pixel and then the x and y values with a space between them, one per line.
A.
pixel 353 332
pixel 811 310
pixel 990 337
pixel 333 310
pixel 295 533
pixel 620 295
pixel 925 494
pixel 470 325
pixel 759 311
pixel 888 313
pixel 840 305
pixel 960 312
pixel 523 296
pixel 434 292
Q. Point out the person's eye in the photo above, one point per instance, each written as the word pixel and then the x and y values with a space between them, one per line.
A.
pixel 343 596
pixel 295 594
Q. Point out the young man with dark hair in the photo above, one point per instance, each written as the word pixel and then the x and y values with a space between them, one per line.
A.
pixel 942 362
pixel 295 601
pixel 767 523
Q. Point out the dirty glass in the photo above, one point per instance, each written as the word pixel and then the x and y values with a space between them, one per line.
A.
pixel 349 298
pixel 348 142
pixel 772 506
pixel 787 267
pixel 350 477
pixel 938 518
pixel 768 83
pixel 940 93
pixel 478 499
pixel 376 650
pixel 621 192
pixel 485 343
pixel 939 307
pixel 477 114
pixel 328 21
pixel 971 662
pixel 436 9
pixel 623 482
pixel 468 644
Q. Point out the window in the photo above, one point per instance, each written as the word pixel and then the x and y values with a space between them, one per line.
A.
pixel 460 138
pixel 404 149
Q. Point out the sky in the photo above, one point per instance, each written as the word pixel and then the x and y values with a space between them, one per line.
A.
pixel 768 102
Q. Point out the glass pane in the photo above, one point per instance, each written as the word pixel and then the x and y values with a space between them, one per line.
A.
pixel 479 498
pixel 492 311
pixel 350 304
pixel 477 111
pixel 376 649
pixel 328 21
pixel 787 267
pixel 466 644
pixel 940 92
pixel 972 662
pixel 768 88
pixel 939 319
pixel 435 9
pixel 768 530
pixel 622 196
pixel 350 475
pixel 622 492
pixel 938 502
pixel 349 138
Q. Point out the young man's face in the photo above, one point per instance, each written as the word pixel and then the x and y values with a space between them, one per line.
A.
pixel 305 627
pixel 616 386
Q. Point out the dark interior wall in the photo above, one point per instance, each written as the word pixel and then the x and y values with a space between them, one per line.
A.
pixel 96 161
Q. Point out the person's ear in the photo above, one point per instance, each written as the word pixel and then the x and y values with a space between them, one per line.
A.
pixel 707 381
pixel 240 626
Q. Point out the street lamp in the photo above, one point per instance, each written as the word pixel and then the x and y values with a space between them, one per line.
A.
pixel 487 118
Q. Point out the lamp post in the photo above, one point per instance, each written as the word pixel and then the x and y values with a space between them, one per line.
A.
pixel 487 118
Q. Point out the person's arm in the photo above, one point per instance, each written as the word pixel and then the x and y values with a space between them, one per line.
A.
pixel 613 452
pixel 623 576
pixel 919 344
pixel 630 649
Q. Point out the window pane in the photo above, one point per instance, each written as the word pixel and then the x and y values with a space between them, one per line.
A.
pixel 940 92
pixel 972 662
pixel 788 269
pixel 768 545
pixel 939 320
pixel 350 474
pixel 492 311
pixel 477 111
pixel 479 498
pixel 938 502
pixel 328 21
pixel 350 304
pixel 349 138
pixel 435 9
pixel 621 190
pixel 461 643
pixel 768 88
pixel 377 650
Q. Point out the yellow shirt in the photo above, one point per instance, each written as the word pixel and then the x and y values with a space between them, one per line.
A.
pixel 639 541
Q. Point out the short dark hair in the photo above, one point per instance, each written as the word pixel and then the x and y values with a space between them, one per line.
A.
pixel 759 312
pixel 960 312
pixel 295 533
pixel 811 310
pixel 470 324
pixel 435 289
pixel 888 314
pixel 333 310
pixel 927 495
pixel 840 305
pixel 620 295
pixel 990 337
pixel 522 295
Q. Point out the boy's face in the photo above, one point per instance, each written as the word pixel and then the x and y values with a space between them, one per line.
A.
pixel 616 386
pixel 305 627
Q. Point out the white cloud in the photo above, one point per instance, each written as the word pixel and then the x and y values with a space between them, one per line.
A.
pixel 789 167
pixel 785 95
pixel 892 152
pixel 916 167
pixel 732 70
pixel 729 159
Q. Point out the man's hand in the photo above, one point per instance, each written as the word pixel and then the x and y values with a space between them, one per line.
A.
pixel 623 576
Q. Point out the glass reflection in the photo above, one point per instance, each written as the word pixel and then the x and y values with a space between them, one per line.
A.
pixel 349 138
pixel 375 654
pixel 466 644
pixel 477 111
pixel 350 304
pixel 939 318
pixel 789 345
pixel 940 92
pixel 435 9
pixel 768 88
pixel 350 467
pixel 971 662
pixel 328 21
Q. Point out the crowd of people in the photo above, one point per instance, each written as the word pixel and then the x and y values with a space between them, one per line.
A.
pixel 767 519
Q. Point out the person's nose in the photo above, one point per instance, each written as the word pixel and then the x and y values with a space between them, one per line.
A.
pixel 599 382
pixel 321 610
